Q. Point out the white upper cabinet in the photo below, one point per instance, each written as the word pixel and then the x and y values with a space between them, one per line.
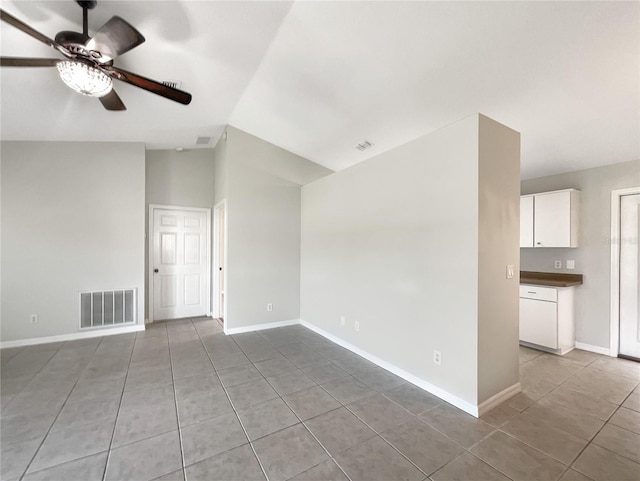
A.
pixel 526 221
pixel 550 219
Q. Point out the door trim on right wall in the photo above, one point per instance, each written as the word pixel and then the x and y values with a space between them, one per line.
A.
pixel 216 255
pixel 614 316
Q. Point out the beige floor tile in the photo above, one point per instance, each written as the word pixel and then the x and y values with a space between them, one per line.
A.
pixel 602 385
pixel 582 357
pixel 620 367
pixel 627 418
pixel 517 460
pixel 569 419
pixel 572 475
pixel 602 465
pixel 620 441
pixel 543 436
pixel 467 467
pixel 456 424
pixel 632 402
pixel 589 405
pixel 500 414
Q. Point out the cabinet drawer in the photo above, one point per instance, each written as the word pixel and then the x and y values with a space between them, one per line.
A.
pixel 539 293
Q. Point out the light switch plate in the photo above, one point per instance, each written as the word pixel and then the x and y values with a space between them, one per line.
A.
pixel 571 264
pixel 511 270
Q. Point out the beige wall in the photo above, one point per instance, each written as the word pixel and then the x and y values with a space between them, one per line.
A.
pixel 498 246
pixel 593 256
pixel 395 243
pixel 72 220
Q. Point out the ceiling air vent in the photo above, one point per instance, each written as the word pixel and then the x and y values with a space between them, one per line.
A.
pixel 203 140
pixel 174 84
pixel 364 145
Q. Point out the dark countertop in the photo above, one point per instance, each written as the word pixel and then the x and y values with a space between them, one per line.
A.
pixel 550 279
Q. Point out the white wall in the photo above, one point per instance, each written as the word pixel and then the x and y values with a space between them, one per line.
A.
pixel 593 256
pixel 72 220
pixel 176 178
pixel 263 230
pixel 395 243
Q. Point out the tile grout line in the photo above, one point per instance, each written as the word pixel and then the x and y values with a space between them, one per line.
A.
pixel 290 408
pixel 224 388
pixel 34 375
pixel 175 401
pixel 303 422
pixel 26 469
pixel 115 424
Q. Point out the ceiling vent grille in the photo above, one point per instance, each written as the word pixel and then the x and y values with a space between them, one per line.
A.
pixel 364 145
pixel 203 140
pixel 174 84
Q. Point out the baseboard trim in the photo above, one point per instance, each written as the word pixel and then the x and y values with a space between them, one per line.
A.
pixel 416 381
pixel 592 348
pixel 259 327
pixel 72 337
pixel 499 398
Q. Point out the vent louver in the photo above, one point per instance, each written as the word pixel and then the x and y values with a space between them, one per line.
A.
pixel 364 145
pixel 107 308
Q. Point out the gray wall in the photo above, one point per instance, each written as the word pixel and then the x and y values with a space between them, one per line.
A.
pixel 180 178
pixel 593 257
pixel 72 220
pixel 176 178
pixel 263 215
pixel 393 243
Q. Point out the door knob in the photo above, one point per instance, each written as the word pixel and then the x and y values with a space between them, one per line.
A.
pixel 155 270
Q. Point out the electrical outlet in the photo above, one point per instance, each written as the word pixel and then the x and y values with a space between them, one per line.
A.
pixel 356 326
pixel 437 357
pixel 34 318
pixel 557 264
pixel 343 321
pixel 269 307
pixel 571 264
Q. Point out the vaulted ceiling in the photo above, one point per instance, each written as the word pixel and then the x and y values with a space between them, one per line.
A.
pixel 318 78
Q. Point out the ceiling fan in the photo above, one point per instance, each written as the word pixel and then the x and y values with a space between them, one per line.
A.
pixel 88 67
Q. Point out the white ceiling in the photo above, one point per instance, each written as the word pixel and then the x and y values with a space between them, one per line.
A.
pixel 317 78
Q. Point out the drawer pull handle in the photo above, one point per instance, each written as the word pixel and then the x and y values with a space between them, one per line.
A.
pixel 531 292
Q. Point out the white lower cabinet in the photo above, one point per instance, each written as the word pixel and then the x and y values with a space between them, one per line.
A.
pixel 547 317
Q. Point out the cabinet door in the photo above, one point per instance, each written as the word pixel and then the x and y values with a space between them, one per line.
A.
pixel 526 221
pixel 539 323
pixel 552 220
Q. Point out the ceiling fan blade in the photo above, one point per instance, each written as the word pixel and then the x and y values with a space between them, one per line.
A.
pixel 148 84
pixel 114 38
pixel 112 101
pixel 27 62
pixel 20 25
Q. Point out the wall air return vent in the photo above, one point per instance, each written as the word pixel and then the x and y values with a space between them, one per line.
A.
pixel 203 140
pixel 364 145
pixel 108 308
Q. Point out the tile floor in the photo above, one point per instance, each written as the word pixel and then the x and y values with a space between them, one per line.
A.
pixel 183 401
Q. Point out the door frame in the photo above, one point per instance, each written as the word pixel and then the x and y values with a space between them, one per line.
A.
pixel 614 317
pixel 150 238
pixel 215 294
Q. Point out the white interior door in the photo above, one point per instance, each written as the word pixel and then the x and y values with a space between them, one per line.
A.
pixel 180 263
pixel 629 273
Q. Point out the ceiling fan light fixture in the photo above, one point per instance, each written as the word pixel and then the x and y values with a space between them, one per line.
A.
pixel 84 78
